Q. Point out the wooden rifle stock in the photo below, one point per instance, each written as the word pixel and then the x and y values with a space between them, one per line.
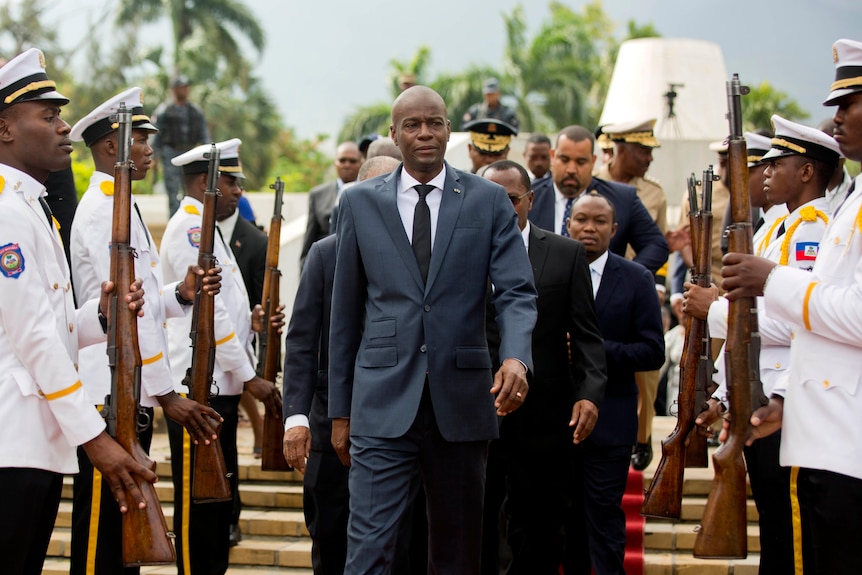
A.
pixel 272 443
pixel 722 533
pixel 209 475
pixel 664 496
pixel 146 540
pixel 696 451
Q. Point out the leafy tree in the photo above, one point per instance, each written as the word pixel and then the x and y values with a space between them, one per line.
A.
pixel 763 101
pixel 300 163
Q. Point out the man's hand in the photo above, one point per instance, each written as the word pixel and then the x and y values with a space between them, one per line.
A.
pixel 201 421
pixel 744 275
pixel 678 239
pixel 510 386
pixel 706 418
pixel 584 416
pixel 267 393
pixel 341 439
pixel 135 297
pixel 211 282
pixel 117 469
pixel 766 420
pixel 258 321
pixel 696 300
pixel 297 447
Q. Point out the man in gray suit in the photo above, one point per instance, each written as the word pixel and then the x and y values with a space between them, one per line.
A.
pixel 323 198
pixel 410 372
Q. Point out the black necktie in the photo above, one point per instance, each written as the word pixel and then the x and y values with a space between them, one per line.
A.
pixel 759 224
pixel 47 210
pixel 780 230
pixel 422 230
pixel 143 225
pixel 849 191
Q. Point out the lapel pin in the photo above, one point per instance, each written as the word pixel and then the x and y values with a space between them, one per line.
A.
pixel 457 191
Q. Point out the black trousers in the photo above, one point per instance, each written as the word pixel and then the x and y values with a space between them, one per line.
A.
pixel 326 504
pixel 29 499
pixel 596 525
pixel 98 540
pixel 770 485
pixel 830 505
pixel 203 529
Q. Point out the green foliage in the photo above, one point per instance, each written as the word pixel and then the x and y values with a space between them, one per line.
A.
pixel 82 168
pixel 373 119
pixel 762 102
pixel 300 163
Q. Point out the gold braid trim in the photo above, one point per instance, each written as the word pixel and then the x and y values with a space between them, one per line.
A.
pixel 764 243
pixel 806 214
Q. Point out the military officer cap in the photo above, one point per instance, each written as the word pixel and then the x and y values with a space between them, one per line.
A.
pixel 23 79
pixel 602 139
pixel 792 139
pixel 491 86
pixel 848 70
pixel 195 161
pixel 637 132
pixel 757 147
pixel 489 135
pixel 99 123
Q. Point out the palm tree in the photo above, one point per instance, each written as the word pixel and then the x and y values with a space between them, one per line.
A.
pixel 202 26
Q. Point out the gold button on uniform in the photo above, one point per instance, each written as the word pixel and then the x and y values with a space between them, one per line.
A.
pixel 825 383
pixel 152 264
pixel 71 327
pixel 56 286
pixel 777 365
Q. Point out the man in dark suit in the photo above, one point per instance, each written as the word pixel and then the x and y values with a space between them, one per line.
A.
pixel 564 393
pixel 572 162
pixel 630 321
pixel 410 372
pixel 323 198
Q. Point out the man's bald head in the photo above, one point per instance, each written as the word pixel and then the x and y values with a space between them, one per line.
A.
pixel 413 96
pixel 377 166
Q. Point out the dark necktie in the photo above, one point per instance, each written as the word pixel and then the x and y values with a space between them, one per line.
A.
pixel 47 210
pixel 143 225
pixel 780 230
pixel 422 230
pixel 564 229
pixel 849 191
pixel 759 224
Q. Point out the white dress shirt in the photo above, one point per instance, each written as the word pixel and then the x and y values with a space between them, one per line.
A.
pixel 407 198
pixel 597 270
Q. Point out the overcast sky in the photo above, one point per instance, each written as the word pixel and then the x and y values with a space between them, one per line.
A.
pixel 324 58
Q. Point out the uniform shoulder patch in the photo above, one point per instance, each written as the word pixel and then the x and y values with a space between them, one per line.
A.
pixel 11 261
pixel 107 188
pixel 807 251
pixel 192 210
pixel 194 235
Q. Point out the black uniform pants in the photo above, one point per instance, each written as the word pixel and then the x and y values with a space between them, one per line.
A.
pixel 770 485
pixel 830 506
pixel 203 529
pixel 29 499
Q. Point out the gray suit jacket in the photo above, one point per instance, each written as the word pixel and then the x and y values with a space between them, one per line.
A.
pixel 389 331
pixel 321 200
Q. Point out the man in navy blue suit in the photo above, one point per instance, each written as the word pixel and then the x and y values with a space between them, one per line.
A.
pixel 572 162
pixel 411 391
pixel 630 322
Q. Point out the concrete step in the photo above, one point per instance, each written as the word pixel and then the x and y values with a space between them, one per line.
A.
pixel 661 563
pixel 680 537
pixel 61 567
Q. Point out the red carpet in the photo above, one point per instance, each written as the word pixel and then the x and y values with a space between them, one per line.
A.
pixel 632 501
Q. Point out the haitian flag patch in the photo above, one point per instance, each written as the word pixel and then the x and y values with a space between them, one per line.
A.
pixel 807 251
pixel 11 261
pixel 194 236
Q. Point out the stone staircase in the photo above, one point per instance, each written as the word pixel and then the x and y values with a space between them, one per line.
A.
pixel 668 544
pixel 275 540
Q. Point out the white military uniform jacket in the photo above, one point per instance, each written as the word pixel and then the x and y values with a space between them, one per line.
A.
pixel 234 352
pixel 823 403
pixel 45 413
pixel 797 247
pixel 91 265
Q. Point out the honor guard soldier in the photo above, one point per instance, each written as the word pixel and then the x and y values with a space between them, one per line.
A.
pixel 490 107
pixel 820 410
pixel 45 412
pixel 489 141
pixel 203 529
pixel 96 525
pixel 798 167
